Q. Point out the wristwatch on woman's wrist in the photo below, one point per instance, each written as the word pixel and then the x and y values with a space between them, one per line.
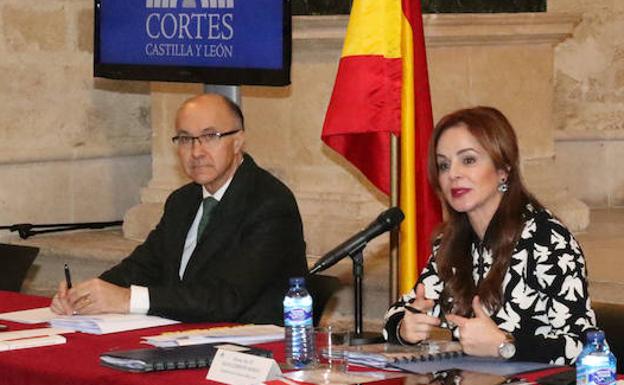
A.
pixel 507 348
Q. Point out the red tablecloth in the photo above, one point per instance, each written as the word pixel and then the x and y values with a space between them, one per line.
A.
pixel 77 361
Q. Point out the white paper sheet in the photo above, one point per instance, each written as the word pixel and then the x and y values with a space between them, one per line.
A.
pixel 108 323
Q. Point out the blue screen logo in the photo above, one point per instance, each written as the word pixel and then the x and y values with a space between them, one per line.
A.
pixel 196 33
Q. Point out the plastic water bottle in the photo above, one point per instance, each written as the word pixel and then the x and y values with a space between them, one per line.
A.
pixel 596 365
pixel 300 352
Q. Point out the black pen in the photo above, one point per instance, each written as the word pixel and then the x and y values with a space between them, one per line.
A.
pixel 443 321
pixel 68 277
pixel 412 309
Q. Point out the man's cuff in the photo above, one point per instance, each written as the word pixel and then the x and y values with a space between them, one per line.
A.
pixel 139 299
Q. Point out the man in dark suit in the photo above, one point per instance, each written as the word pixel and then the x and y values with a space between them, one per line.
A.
pixel 230 265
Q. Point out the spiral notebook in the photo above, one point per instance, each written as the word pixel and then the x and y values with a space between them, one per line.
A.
pixel 170 358
pixel 385 355
pixel 487 365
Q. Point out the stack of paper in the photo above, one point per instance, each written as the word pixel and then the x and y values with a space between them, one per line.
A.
pixel 95 324
pixel 245 334
pixel 109 323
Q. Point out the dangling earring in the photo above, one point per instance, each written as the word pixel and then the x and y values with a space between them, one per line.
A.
pixel 503 186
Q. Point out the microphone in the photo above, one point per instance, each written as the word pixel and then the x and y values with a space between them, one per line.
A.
pixel 386 221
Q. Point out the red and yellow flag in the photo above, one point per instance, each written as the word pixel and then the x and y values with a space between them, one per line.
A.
pixel 382 88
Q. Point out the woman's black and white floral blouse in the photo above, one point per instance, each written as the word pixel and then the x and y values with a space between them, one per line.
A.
pixel 546 305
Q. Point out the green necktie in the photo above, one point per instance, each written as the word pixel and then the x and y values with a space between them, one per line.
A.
pixel 209 204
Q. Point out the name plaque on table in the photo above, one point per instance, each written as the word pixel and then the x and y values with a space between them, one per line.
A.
pixel 235 368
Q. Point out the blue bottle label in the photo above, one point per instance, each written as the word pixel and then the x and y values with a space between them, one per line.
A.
pixel 298 317
pixel 602 377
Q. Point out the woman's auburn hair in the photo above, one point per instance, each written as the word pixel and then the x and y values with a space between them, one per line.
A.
pixel 454 258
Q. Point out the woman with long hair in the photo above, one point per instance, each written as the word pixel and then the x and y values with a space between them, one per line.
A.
pixel 505 275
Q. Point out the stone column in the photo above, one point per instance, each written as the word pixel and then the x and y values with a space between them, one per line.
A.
pixel 166 172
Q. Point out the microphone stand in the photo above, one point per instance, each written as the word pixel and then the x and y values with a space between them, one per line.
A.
pixel 360 337
pixel 25 230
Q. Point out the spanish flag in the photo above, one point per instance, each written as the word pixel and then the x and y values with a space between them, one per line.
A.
pixel 382 88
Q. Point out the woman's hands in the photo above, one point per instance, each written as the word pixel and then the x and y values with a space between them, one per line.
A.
pixel 479 336
pixel 417 326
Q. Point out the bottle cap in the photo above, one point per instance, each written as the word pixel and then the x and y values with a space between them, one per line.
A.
pixel 296 281
pixel 595 335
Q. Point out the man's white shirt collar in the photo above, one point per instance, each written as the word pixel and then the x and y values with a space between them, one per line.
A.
pixel 219 193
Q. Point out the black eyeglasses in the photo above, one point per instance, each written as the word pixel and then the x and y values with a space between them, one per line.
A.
pixel 207 139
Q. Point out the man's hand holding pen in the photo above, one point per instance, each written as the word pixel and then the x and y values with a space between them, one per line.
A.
pixel 417 325
pixel 60 303
pixel 94 296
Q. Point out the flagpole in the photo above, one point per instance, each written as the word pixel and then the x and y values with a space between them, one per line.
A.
pixel 393 291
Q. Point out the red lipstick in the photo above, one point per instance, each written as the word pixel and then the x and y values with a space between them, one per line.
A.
pixel 458 192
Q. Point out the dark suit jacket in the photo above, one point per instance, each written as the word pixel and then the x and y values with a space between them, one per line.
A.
pixel 240 267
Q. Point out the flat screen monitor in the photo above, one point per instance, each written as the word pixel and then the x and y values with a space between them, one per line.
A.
pixel 226 42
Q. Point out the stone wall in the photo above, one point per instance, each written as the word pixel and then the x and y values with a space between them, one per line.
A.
pixel 72 148
pixel 589 102
pixel 589 67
